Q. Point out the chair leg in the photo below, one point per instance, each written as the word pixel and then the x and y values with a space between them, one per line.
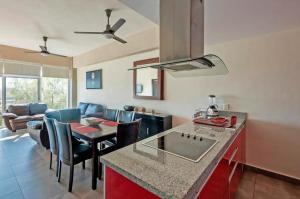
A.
pixel 59 171
pixel 50 166
pixel 57 165
pixel 100 171
pixel 83 164
pixel 71 178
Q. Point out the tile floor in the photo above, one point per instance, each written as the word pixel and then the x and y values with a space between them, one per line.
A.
pixel 25 174
pixel 257 186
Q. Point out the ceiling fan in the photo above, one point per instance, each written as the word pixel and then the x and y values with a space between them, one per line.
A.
pixel 109 32
pixel 44 51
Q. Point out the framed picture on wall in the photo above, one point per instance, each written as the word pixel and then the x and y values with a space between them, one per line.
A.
pixel 94 79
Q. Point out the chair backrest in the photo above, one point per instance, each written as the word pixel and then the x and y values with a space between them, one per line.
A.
pixel 53 115
pixel 52 134
pixel 70 115
pixel 127 133
pixel 111 114
pixel 125 116
pixel 64 137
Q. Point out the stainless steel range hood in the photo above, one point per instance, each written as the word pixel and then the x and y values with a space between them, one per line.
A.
pixel 182 41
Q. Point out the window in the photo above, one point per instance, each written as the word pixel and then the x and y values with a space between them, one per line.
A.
pixel 25 82
pixel 21 90
pixel 55 92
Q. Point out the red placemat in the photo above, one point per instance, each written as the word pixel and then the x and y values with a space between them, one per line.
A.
pixel 110 123
pixel 82 128
pixel 210 122
pixel 75 124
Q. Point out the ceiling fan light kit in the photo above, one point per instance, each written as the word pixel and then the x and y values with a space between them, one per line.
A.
pixel 109 32
pixel 44 51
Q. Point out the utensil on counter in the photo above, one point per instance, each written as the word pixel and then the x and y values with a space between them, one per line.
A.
pixel 218 120
pixel 233 120
pixel 212 110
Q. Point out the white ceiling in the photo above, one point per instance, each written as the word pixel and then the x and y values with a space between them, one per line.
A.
pixel 227 20
pixel 23 22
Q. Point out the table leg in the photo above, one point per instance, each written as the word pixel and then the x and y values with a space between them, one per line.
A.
pixel 94 165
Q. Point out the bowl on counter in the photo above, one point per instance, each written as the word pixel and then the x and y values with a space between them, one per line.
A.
pixel 93 121
pixel 129 108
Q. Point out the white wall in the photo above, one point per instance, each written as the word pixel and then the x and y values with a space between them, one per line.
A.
pixel 263 81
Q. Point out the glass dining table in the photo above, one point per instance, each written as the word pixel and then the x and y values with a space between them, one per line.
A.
pixel 94 134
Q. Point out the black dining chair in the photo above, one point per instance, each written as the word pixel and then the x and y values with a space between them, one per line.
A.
pixel 49 121
pixel 69 153
pixel 111 114
pixel 125 116
pixel 127 133
pixel 70 115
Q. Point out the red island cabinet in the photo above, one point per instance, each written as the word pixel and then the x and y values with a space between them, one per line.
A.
pixel 119 187
pixel 222 183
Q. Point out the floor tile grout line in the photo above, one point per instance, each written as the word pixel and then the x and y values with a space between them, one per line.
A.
pixel 253 195
pixel 15 175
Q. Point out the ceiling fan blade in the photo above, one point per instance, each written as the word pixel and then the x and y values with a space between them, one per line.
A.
pixel 119 39
pixel 31 52
pixel 78 32
pixel 57 55
pixel 43 48
pixel 118 24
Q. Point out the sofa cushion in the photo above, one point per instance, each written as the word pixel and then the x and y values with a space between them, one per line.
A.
pixel 82 106
pixel 19 109
pixel 9 115
pixel 37 108
pixel 94 108
pixel 38 117
pixel 22 119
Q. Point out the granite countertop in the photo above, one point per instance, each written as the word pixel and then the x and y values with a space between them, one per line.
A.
pixel 169 176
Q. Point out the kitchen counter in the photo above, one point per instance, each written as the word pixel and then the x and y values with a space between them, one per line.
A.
pixel 169 176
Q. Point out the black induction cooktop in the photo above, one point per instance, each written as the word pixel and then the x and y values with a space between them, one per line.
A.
pixel 184 145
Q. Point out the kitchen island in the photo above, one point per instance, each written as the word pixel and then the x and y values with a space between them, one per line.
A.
pixel 140 171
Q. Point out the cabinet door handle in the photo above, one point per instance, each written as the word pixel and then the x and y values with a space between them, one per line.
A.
pixel 233 155
pixel 147 131
pixel 232 172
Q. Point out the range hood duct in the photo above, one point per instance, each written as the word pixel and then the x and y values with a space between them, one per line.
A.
pixel 182 41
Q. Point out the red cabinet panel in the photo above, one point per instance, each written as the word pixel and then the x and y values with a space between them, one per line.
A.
pixel 118 186
pixel 217 185
pixel 224 181
pixel 234 180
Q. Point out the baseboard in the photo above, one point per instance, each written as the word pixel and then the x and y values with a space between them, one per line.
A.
pixel 273 174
